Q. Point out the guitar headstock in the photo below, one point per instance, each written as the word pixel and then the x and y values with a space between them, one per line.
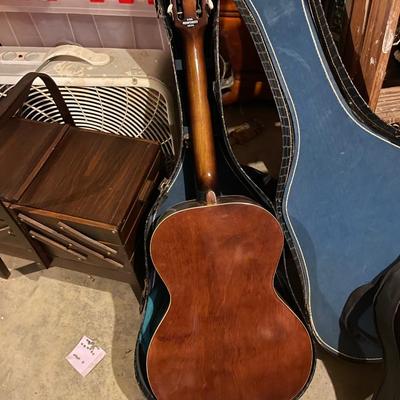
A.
pixel 190 15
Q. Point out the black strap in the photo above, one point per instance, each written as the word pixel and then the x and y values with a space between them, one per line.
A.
pixel 362 298
pixel 387 319
pixel 19 93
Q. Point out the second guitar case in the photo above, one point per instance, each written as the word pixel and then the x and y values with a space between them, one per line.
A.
pixel 335 196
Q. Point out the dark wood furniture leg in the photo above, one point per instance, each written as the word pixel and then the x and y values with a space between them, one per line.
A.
pixel 4 271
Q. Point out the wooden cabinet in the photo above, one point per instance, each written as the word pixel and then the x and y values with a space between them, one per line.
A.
pixel 368 53
pixel 74 198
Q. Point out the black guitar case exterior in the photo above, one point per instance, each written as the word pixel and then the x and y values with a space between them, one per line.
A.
pixel 387 318
pixel 383 292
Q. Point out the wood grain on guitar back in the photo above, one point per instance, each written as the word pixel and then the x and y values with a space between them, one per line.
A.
pixel 226 334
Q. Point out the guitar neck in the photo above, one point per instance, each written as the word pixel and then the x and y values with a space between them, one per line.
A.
pixel 200 116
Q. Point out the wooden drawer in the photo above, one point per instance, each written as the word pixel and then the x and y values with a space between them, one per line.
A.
pixel 60 239
pixel 93 230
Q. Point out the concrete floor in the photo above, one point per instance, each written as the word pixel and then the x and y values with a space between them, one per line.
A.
pixel 43 315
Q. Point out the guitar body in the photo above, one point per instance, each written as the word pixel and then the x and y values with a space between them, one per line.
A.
pixel 338 198
pixel 226 333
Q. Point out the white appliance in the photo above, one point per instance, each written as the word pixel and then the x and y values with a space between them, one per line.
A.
pixel 126 92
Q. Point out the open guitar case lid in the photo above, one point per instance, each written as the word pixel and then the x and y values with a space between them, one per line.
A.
pixel 383 292
pixel 181 186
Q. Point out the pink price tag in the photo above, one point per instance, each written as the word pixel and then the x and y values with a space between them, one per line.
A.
pixel 85 356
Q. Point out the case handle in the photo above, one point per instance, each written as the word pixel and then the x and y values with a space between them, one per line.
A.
pixel 81 53
pixel 19 93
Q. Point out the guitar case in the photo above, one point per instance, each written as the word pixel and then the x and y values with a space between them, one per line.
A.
pixel 387 316
pixel 336 195
pixel 180 186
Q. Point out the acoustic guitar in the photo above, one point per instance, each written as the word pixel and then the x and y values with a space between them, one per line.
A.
pixel 226 333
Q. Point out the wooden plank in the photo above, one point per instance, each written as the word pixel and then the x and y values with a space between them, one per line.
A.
pixel 20 239
pixel 22 140
pixel 41 162
pixel 379 34
pixel 388 106
pixel 353 35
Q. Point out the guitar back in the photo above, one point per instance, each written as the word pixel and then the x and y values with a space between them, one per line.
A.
pixel 226 333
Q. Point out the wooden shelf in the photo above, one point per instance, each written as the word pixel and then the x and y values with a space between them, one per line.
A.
pixel 367 52
pixel 388 105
